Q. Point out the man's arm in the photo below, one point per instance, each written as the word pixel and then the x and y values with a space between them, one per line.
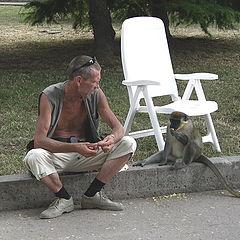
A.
pixel 42 141
pixel 109 117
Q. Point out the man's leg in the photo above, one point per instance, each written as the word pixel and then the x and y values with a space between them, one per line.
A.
pixel 108 170
pixel 93 197
pixel 52 181
pixel 111 167
pixel 40 163
pixel 63 203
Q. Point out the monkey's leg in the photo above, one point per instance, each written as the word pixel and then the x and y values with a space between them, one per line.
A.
pixel 155 158
pixel 179 164
pixel 190 152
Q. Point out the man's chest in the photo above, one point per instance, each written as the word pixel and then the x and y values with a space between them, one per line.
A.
pixel 72 115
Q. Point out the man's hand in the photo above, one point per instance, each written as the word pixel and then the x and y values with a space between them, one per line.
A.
pixel 107 143
pixel 87 149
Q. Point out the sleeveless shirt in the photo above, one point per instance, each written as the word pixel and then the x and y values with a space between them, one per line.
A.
pixel 55 95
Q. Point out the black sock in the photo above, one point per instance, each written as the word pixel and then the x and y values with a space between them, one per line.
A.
pixel 95 187
pixel 62 193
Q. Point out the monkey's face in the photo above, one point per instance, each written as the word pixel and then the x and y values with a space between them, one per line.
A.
pixel 177 120
pixel 174 123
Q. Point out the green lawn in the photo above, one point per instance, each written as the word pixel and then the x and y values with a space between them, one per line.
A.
pixel 31 59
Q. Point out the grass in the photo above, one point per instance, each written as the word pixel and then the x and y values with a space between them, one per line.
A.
pixel 31 59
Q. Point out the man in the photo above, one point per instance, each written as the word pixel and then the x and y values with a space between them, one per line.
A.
pixel 67 140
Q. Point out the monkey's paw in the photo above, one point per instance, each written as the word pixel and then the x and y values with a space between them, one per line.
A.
pixel 173 132
pixel 139 163
pixel 179 165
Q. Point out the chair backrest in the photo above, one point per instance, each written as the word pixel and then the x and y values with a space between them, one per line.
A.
pixel 145 55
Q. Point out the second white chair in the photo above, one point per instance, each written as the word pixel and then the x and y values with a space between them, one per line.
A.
pixel 148 73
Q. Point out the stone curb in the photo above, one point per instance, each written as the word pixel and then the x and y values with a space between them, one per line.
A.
pixel 21 191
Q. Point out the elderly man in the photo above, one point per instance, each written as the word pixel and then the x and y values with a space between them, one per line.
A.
pixel 67 138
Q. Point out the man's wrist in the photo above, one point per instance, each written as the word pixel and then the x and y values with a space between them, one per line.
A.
pixel 113 136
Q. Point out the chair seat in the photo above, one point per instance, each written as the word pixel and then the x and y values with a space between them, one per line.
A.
pixel 191 76
pixel 189 107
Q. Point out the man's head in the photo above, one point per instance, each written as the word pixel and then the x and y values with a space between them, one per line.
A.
pixel 85 74
pixel 82 66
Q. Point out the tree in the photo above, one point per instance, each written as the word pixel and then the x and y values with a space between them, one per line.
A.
pixel 95 12
pixel 123 9
pixel 101 22
pixel 51 11
pixel 158 9
pixel 98 13
pixel 221 13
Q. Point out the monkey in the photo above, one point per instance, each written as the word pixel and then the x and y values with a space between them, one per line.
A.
pixel 183 146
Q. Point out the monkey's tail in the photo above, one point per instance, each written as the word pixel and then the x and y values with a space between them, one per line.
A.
pixel 207 162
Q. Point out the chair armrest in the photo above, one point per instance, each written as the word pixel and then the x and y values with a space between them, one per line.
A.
pixel 196 76
pixel 140 83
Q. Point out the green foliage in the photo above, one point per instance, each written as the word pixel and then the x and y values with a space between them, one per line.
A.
pixel 53 11
pixel 204 13
pixel 123 9
pixel 224 14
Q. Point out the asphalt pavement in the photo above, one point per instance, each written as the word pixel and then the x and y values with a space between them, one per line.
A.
pixel 209 215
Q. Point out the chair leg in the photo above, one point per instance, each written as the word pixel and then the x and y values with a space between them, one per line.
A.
pixel 158 133
pixel 212 132
pixel 132 111
pixel 129 120
pixel 154 120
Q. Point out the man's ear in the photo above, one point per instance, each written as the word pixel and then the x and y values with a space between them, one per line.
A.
pixel 78 79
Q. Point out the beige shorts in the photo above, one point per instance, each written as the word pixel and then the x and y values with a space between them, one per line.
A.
pixel 43 163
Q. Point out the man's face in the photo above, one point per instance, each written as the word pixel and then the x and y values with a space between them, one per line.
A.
pixel 88 86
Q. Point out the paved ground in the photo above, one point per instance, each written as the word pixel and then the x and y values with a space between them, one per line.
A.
pixel 209 216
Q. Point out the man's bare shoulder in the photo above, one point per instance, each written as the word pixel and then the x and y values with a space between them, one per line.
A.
pixel 44 105
pixel 102 96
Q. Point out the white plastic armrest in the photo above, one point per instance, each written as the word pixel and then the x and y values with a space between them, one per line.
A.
pixel 140 83
pixel 196 76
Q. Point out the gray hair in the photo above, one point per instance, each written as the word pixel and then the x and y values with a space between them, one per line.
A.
pixel 76 68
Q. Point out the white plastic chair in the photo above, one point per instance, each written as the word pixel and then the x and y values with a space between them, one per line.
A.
pixel 148 73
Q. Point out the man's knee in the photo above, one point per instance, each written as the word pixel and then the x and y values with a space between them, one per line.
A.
pixel 125 147
pixel 33 156
pixel 35 159
pixel 129 144
pixel 39 163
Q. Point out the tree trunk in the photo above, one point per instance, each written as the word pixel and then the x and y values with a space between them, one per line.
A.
pixel 157 9
pixel 101 21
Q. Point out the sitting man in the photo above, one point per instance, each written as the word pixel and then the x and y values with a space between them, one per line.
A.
pixel 67 138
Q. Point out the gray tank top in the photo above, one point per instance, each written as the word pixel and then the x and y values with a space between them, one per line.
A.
pixel 55 94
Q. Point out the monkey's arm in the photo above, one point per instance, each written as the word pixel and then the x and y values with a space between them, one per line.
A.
pixel 208 163
pixel 155 158
pixel 181 137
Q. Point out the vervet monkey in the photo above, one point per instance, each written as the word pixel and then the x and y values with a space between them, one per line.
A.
pixel 183 145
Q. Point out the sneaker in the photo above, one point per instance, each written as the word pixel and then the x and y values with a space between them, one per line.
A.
pixel 100 201
pixel 57 208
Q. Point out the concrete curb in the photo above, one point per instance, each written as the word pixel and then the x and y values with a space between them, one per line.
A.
pixel 22 191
